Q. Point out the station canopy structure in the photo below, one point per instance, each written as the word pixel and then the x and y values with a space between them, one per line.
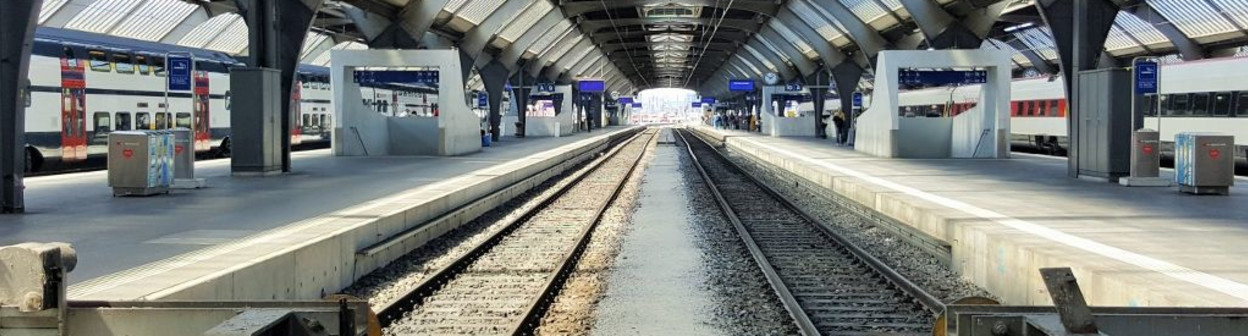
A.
pixel 696 44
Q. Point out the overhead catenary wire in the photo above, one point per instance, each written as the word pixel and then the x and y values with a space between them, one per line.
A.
pixel 707 44
pixel 627 50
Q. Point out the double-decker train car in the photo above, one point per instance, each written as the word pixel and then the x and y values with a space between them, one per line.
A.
pixel 1199 96
pixel 85 85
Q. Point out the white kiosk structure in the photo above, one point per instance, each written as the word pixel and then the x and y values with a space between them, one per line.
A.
pixel 361 131
pixel 980 132
pixel 775 121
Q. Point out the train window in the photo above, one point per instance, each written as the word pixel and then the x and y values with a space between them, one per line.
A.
pixel 143 121
pixel 1052 109
pixel 70 59
pixel 1241 107
pixel 122 62
pixel 1179 104
pixel 1221 104
pixel 324 120
pixel 307 120
pixel 99 61
pixel 144 68
pixel 183 120
pixel 1200 104
pixel 158 66
pixel 162 120
pixel 102 122
pixel 123 121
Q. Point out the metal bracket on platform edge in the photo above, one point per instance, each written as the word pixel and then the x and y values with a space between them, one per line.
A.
pixel 33 302
pixel 1071 316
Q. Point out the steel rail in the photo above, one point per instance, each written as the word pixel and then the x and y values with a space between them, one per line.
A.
pixel 537 308
pixel 928 300
pixel 394 310
pixel 790 303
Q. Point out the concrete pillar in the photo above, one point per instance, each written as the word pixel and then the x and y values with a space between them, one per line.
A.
pixel 846 76
pixel 1079 29
pixel 494 78
pixel 277 29
pixel 17 32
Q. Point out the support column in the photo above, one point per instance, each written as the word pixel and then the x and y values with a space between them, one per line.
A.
pixel 277 29
pixel 817 95
pixel 846 76
pixel 494 78
pixel 17 33
pixel 1079 29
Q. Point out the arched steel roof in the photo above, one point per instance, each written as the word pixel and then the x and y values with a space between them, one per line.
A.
pixel 671 42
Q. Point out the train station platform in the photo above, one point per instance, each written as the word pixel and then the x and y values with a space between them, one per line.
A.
pixel 294 236
pixel 1003 219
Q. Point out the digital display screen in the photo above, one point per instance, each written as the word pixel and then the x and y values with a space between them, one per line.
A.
pixel 592 86
pixel 625 100
pixel 741 85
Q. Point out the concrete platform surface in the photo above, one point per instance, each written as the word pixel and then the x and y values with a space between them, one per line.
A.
pixel 656 286
pixel 1005 218
pixel 113 234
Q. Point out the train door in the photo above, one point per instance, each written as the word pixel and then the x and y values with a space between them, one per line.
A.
pixel 296 113
pixel 201 112
pixel 73 109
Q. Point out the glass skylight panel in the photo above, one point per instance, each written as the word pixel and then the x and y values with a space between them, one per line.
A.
pixel 154 19
pixel 759 56
pixel 310 42
pixel 555 53
pixel 232 40
pixel 529 17
pixel 1194 17
pixel 813 19
pixel 477 10
pixel 547 38
pixel 50 7
pixel 1039 40
pixel 1118 40
pixel 1140 29
pixel 774 48
pixel 101 15
pixel 866 10
pixel 1236 9
pixel 205 32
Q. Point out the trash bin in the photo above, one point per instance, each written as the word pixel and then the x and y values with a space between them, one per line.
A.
pixel 1204 163
pixel 140 163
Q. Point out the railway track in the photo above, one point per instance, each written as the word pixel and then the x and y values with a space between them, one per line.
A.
pixel 828 285
pixel 506 283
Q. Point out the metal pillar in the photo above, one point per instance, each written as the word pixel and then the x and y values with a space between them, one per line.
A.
pixel 277 29
pixel 17 33
pixel 494 78
pixel 1079 28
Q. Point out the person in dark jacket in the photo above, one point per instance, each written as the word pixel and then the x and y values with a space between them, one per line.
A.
pixel 838 120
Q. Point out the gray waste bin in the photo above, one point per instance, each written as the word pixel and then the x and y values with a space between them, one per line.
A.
pixel 1204 163
pixel 140 162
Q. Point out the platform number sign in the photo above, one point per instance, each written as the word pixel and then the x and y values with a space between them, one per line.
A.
pixel 793 87
pixel 483 99
pixel 1145 77
pixel 180 68
pixel 858 99
pixel 545 87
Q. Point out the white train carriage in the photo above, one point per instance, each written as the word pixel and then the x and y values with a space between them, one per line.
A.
pixel 85 85
pixel 1199 96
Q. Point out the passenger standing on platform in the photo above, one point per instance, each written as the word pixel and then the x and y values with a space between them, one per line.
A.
pixel 838 121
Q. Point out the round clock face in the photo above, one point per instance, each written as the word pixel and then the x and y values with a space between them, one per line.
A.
pixel 615 95
pixel 771 78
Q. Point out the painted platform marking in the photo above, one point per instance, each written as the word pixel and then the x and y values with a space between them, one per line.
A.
pixel 1216 283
